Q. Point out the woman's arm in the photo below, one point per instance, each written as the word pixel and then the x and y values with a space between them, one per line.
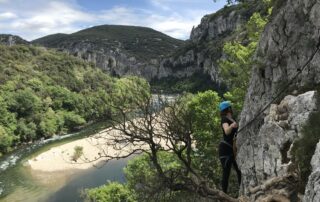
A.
pixel 228 128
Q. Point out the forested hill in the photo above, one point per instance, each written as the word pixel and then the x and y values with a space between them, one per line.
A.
pixel 119 50
pixel 9 40
pixel 44 92
pixel 141 42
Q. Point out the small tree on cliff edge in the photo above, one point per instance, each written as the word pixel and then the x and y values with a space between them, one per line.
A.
pixel 176 129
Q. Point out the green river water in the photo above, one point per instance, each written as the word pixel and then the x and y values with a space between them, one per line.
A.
pixel 19 183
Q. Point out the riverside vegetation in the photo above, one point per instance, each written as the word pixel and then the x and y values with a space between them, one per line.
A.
pixel 45 93
pixel 70 97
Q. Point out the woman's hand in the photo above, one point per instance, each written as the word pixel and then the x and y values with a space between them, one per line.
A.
pixel 228 128
pixel 234 125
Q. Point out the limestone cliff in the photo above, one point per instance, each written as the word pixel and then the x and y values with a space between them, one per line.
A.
pixel 288 42
pixel 123 50
pixel 10 40
pixel 313 187
pixel 119 50
pixel 204 48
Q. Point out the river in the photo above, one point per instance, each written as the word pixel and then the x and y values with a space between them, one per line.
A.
pixel 20 183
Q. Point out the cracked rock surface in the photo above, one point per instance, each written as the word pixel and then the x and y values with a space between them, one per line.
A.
pixel 287 43
pixel 267 154
pixel 312 192
pixel 204 49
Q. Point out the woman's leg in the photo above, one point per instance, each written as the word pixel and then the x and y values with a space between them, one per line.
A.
pixel 226 166
pixel 235 165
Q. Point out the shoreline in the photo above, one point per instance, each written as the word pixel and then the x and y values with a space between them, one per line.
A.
pixel 59 158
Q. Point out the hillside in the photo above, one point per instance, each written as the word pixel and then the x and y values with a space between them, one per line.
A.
pixel 9 40
pixel 140 42
pixel 45 93
pixel 120 50
pixel 200 54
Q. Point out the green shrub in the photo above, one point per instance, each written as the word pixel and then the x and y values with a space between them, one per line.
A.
pixel 5 141
pixel 78 152
pixel 111 192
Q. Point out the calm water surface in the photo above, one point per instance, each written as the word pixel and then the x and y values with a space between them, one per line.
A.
pixel 20 183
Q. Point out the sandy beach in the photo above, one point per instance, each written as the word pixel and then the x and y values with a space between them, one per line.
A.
pixel 96 149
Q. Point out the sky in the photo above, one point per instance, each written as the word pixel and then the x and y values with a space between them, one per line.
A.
pixel 32 19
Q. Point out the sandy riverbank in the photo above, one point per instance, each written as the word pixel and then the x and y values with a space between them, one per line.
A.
pixel 94 147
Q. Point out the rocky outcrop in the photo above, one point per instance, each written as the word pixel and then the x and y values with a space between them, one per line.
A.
pixel 119 50
pixel 269 149
pixel 112 59
pixel 204 49
pixel 312 192
pixel 221 23
pixel 159 56
pixel 10 40
pixel 288 42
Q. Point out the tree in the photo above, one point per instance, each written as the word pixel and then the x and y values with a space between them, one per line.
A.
pixel 113 192
pixel 70 119
pixel 7 119
pixel 49 124
pixel 236 66
pixel 175 130
pixel 24 102
pixel 26 131
pixel 5 140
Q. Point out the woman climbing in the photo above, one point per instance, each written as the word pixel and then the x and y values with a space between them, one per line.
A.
pixel 226 149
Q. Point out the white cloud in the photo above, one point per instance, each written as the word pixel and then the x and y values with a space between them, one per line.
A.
pixel 175 25
pixel 7 15
pixel 55 17
pixel 65 16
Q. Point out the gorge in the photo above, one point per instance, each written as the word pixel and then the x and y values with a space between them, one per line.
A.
pixel 285 71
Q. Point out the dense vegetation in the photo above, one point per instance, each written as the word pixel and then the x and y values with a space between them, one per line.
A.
pixel 198 82
pixel 236 66
pixel 43 93
pixel 141 42
pixel 197 113
pixel 143 180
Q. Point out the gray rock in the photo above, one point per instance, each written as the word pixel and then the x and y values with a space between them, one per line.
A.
pixel 267 154
pixel 114 61
pixel 287 43
pixel 204 49
pixel 10 40
pixel 212 26
pixel 312 192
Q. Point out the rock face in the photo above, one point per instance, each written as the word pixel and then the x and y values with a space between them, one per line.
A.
pixel 160 56
pixel 269 149
pixel 213 26
pixel 204 49
pixel 112 60
pixel 119 50
pixel 10 40
pixel 288 42
pixel 312 192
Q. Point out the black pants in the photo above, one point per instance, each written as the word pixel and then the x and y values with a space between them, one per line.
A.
pixel 227 162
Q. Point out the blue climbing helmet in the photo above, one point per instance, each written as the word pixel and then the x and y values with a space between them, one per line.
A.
pixel 224 105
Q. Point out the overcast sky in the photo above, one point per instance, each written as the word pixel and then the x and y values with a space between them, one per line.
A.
pixel 32 19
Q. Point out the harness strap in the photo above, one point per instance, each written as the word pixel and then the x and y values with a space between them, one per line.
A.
pixel 227 159
pixel 224 142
